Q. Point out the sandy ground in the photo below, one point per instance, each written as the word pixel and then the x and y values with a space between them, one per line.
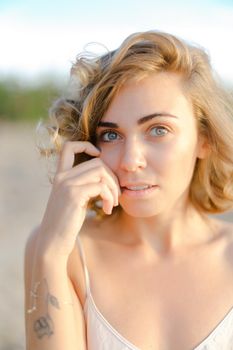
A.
pixel 24 190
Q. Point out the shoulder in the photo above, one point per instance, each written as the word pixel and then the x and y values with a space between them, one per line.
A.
pixel 75 266
pixel 229 241
pixel 226 238
pixel 89 236
pixel 92 236
pixel 226 231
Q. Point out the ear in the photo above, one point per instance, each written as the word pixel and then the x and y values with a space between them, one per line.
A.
pixel 203 148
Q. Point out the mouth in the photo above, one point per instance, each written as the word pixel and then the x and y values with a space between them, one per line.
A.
pixel 137 188
pixel 138 191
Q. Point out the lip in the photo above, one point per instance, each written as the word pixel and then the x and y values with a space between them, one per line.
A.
pixel 139 193
pixel 134 184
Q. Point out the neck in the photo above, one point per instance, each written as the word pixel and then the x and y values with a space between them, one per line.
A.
pixel 167 233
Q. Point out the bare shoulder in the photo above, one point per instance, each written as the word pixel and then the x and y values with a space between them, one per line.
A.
pixel 226 235
pixel 227 232
pixel 75 265
pixel 229 240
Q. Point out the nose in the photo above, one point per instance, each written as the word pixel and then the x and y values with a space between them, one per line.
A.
pixel 133 156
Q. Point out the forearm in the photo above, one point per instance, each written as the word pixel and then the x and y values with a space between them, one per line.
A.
pixel 52 309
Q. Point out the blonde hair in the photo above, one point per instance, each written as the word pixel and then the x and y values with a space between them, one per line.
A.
pixel 95 81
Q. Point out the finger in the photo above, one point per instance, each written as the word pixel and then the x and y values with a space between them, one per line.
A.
pixel 94 190
pixel 69 150
pixel 92 175
pixel 95 170
pixel 108 199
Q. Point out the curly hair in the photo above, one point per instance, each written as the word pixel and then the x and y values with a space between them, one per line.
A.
pixel 94 81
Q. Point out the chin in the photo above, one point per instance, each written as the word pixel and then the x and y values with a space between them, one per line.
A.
pixel 140 211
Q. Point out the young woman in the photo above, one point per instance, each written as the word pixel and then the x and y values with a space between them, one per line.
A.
pixel 144 140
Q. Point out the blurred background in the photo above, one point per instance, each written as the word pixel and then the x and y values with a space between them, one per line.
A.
pixel 38 42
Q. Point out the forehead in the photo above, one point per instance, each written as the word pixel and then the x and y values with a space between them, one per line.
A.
pixel 156 93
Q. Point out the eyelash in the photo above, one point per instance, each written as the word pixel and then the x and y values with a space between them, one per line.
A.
pixel 103 133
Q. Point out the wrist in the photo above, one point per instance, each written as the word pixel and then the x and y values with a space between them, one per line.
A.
pixel 52 250
pixel 50 260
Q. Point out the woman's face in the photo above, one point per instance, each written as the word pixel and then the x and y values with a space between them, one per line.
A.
pixel 148 137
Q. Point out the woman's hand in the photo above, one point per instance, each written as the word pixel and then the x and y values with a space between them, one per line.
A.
pixel 73 187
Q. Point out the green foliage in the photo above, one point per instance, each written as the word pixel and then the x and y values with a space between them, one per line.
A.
pixel 26 103
pixel 30 103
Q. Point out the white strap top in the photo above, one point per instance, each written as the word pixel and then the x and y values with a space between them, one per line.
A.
pixel 101 335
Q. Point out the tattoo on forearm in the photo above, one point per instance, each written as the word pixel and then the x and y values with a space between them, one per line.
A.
pixel 44 326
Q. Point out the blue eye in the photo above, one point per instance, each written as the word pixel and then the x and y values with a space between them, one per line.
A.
pixel 159 131
pixel 108 136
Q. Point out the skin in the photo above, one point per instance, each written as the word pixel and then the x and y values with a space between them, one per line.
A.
pixel 158 237
pixel 161 236
pixel 161 151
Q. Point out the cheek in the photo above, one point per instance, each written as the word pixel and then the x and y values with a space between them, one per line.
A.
pixel 110 157
pixel 176 160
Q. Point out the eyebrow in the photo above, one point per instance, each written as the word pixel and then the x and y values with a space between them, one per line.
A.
pixel 140 121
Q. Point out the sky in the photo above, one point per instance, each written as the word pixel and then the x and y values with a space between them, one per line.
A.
pixel 40 37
